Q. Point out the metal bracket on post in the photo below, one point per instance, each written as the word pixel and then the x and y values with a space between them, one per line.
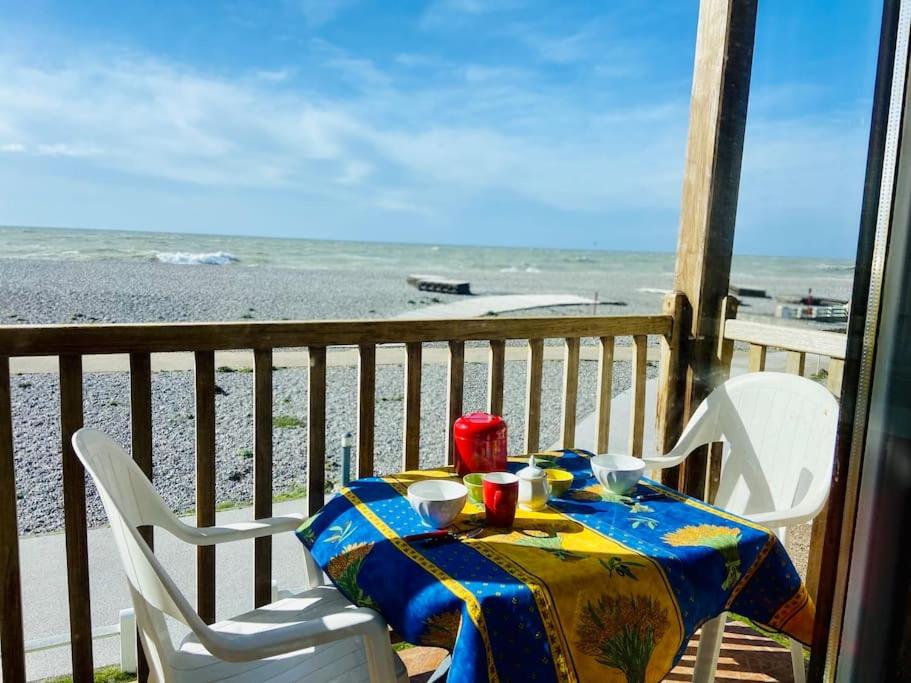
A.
pixel 128 641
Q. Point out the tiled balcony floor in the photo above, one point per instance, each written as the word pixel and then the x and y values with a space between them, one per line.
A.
pixel 745 656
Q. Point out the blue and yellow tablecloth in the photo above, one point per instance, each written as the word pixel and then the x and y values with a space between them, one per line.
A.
pixel 592 588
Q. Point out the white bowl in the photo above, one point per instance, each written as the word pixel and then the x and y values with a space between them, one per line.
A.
pixel 437 501
pixel 617 473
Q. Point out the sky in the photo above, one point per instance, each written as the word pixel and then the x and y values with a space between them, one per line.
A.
pixel 498 122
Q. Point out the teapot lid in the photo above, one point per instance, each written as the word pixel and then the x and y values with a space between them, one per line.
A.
pixel 532 471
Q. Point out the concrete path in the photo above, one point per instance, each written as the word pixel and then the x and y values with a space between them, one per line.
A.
pixel 474 306
pixel 44 593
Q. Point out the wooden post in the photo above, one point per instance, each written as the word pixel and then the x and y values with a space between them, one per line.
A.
pixel 718 110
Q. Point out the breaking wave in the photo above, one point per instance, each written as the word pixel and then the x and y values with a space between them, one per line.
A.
pixel 186 258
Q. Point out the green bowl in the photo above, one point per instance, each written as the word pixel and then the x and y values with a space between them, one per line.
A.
pixel 474 482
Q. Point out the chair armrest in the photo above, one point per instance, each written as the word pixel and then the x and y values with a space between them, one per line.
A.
pixel 238 531
pixel 662 462
pixel 783 518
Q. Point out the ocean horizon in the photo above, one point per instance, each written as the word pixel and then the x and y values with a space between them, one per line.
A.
pixel 84 244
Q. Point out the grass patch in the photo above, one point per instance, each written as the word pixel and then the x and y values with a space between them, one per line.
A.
pixel 294 493
pixel 225 368
pixel 245 453
pixel 24 385
pixel 106 674
pixel 820 376
pixel 287 422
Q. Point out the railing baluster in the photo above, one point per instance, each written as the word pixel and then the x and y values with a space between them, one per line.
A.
pixel 262 472
pixel 533 395
pixel 366 408
pixel 495 376
pixel 77 556
pixel 605 393
pixel 637 406
pixel 412 430
pixel 454 394
pixel 796 363
pixel 757 357
pixel 316 430
pixel 570 390
pixel 12 644
pixel 204 380
pixel 836 371
pixel 141 447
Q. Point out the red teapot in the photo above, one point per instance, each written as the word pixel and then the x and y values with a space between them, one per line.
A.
pixel 480 443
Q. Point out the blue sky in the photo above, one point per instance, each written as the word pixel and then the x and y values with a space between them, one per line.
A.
pixel 506 122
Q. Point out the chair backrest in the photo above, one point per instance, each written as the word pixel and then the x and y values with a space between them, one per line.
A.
pixel 130 501
pixel 781 431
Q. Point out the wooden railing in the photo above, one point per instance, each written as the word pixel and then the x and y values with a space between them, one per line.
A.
pixel 798 343
pixel 71 343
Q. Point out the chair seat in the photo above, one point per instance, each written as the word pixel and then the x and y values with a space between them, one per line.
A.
pixel 341 660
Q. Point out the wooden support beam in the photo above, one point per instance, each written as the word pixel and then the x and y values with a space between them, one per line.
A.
pixel 718 110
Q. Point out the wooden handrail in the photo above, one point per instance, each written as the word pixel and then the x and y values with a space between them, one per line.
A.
pixel 819 342
pixel 50 340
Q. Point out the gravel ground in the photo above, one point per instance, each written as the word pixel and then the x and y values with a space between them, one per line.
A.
pixel 37 434
pixel 110 291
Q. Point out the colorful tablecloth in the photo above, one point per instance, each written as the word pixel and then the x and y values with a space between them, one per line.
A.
pixel 595 587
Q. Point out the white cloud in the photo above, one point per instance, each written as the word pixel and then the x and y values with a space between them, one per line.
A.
pixel 464 134
pixel 320 12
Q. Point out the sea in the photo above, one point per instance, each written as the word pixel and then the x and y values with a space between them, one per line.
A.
pixel 632 273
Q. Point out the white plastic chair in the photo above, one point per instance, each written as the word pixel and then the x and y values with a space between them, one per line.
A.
pixel 316 635
pixel 781 433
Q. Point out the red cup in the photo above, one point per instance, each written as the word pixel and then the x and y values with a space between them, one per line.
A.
pixel 501 494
